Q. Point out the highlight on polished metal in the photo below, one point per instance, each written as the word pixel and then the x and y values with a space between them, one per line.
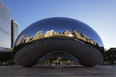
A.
pixel 58 36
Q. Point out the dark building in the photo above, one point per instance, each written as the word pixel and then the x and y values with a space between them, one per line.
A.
pixel 58 36
pixel 14 32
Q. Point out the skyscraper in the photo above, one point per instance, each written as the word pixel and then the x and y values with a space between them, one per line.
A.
pixel 14 32
pixel 5 27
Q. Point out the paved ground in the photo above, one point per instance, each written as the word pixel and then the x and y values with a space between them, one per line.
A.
pixel 58 71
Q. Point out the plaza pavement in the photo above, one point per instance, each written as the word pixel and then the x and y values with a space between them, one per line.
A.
pixel 58 71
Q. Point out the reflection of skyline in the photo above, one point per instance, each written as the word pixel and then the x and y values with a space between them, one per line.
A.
pixel 83 37
pixel 28 38
pixel 37 35
pixel 20 39
pixel 51 33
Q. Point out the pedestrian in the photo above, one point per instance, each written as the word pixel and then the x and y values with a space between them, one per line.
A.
pixel 58 63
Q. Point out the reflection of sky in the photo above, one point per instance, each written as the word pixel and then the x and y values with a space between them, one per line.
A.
pixel 62 24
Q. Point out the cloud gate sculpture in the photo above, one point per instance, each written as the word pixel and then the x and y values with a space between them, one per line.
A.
pixel 58 36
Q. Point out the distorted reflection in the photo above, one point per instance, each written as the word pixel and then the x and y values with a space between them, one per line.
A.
pixel 51 33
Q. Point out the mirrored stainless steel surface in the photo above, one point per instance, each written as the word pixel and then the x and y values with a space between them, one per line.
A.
pixel 58 34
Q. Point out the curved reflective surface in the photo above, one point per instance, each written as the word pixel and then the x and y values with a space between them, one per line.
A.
pixel 58 34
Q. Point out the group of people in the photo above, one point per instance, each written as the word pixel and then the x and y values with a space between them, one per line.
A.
pixel 57 63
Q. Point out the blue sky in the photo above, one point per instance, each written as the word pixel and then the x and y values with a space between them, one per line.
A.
pixel 98 14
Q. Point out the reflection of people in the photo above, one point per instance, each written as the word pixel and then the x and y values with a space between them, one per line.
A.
pixel 58 63
pixel 50 63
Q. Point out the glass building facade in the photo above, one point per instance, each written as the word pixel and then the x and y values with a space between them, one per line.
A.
pixel 5 27
pixel 14 32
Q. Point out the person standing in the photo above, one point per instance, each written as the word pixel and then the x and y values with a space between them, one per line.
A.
pixel 58 63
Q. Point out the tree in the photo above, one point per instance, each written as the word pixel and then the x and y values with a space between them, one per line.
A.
pixel 6 56
pixel 110 55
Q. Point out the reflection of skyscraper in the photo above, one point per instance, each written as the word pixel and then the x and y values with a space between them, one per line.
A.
pixel 84 36
pixel 92 42
pixel 42 35
pixel 49 33
pixel 28 38
pixel 76 34
pixel 67 33
pixel 57 34
pixel 54 33
pixel 23 41
pixel 37 35
pixel 20 39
